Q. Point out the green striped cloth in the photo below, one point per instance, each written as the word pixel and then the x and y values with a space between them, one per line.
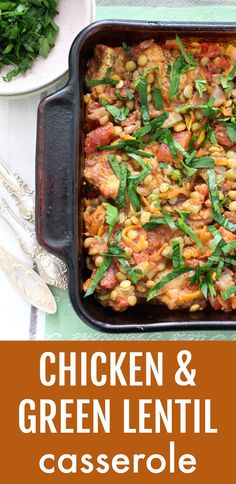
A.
pixel 66 325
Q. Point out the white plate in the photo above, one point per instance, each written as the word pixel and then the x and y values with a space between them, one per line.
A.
pixel 73 16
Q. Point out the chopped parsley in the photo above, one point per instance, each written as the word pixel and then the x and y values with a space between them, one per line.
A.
pixel 201 86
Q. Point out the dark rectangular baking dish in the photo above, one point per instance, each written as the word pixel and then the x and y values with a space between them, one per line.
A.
pixel 59 180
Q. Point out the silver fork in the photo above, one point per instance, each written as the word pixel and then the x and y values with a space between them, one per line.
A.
pixel 20 191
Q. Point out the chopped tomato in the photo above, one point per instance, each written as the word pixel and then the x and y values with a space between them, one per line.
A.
pixel 98 137
pixel 109 281
pixel 164 154
pixel 221 135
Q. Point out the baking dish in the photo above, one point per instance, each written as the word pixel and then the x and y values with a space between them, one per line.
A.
pixel 59 179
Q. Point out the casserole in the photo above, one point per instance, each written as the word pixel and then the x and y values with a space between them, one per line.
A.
pixel 59 179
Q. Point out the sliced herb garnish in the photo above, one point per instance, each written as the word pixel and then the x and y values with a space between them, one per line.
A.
pixel 214 196
pixel 119 114
pixel 188 56
pixel 208 108
pixel 201 86
pixel 231 132
pixel 209 134
pixel 182 225
pixel 121 144
pixel 177 258
pixel 227 293
pixel 129 150
pixel 98 82
pixel 126 47
pixel 111 217
pixel 99 275
pixel 141 85
pixel 151 126
pixel 184 63
pixel 229 246
pixel 167 278
pixel 120 171
pixel 157 99
pixel 166 219
pixel 202 162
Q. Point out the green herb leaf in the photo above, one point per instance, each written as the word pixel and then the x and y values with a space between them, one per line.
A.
pixel 201 86
pixel 114 165
pixel 214 197
pixel 27 29
pixel 227 293
pixel 121 195
pixel 177 259
pixel 166 219
pixel 167 278
pixel 188 56
pixel 111 217
pixel 151 125
pixel 231 132
pixel 126 47
pixel 175 76
pixel 228 247
pixel 157 99
pixel 120 171
pixel 189 231
pixel 225 81
pixel 133 273
pixel 119 114
pixel 141 86
pixel 99 275
pixel 203 162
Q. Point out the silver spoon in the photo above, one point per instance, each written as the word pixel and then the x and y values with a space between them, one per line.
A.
pixel 52 270
pixel 27 282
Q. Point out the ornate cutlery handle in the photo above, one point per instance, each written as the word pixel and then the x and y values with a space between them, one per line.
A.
pixel 24 232
pixel 27 282
pixel 51 269
pixel 20 191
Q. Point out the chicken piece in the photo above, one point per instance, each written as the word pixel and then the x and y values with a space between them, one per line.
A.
pixel 105 58
pixel 99 173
